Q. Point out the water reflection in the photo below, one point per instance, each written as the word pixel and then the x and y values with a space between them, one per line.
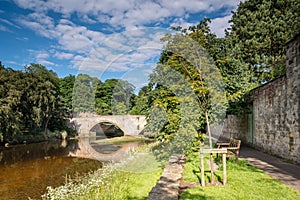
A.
pixel 26 170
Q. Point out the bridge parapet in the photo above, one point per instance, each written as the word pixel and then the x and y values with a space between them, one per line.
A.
pixel 129 124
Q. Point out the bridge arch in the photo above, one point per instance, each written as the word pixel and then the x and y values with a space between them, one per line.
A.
pixel 106 129
pixel 129 124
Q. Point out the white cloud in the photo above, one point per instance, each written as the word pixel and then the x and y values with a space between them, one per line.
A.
pixel 22 38
pixel 95 50
pixel 70 37
pixel 181 22
pixel 4 28
pixel 123 51
pixel 9 23
pixel 41 57
pixel 127 13
pixel 46 63
pixel 218 25
pixel 63 55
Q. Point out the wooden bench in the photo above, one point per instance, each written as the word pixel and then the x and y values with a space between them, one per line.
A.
pixel 233 148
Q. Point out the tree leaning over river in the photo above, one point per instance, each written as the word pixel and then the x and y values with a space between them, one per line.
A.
pixel 30 103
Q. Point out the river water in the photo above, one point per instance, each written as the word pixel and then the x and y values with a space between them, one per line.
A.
pixel 26 170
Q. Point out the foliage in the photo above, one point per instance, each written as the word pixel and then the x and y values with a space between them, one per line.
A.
pixel 114 96
pixel 83 97
pixel 66 85
pixel 186 87
pixel 36 100
pixel 141 102
pixel 258 34
pixel 29 101
pixel 121 97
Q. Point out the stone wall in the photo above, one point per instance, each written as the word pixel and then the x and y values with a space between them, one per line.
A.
pixel 274 124
pixel 129 124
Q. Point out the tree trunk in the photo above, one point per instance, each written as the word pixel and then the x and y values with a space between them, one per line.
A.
pixel 46 125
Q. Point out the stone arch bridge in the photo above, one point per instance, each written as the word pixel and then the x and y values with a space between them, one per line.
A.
pixel 129 124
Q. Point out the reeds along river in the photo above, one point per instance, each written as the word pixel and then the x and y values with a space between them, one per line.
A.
pixel 26 170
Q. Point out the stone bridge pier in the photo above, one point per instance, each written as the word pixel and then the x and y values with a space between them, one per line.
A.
pixel 130 124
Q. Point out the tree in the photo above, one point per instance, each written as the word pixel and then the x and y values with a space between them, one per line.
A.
pixel 29 102
pixel 66 85
pixel 112 95
pixel 207 103
pixel 259 32
pixel 122 93
pixel 83 98
pixel 141 102
pixel 43 96
pixel 104 96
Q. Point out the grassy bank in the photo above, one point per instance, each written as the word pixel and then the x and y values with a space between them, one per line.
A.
pixel 124 139
pixel 28 137
pixel 131 179
pixel 244 182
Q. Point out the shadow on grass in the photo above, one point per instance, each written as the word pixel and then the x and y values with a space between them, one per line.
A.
pixel 189 195
pixel 196 173
pixel 231 165
pixel 207 175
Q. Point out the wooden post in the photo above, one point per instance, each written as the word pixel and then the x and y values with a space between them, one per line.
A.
pixel 202 169
pixel 224 168
pixel 212 175
pixel 222 151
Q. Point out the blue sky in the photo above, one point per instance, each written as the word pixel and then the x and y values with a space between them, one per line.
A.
pixel 104 38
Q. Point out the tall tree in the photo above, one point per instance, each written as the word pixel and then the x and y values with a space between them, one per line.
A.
pixel 43 96
pixel 122 96
pixel 83 97
pixel 66 86
pixel 104 96
pixel 114 96
pixel 141 102
pixel 259 31
pixel 29 102
pixel 187 85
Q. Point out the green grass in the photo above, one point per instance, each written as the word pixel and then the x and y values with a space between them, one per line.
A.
pixel 244 182
pixel 139 185
pixel 131 179
pixel 123 139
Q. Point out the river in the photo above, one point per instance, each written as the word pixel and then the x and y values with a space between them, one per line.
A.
pixel 27 170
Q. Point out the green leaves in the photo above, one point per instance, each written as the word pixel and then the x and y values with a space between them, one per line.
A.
pixel 114 96
pixel 259 32
pixel 83 97
pixel 29 101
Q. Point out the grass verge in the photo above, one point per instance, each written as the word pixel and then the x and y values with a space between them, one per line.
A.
pixel 244 182
pixel 123 139
pixel 131 179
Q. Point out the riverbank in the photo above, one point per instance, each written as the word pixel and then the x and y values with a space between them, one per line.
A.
pixel 133 178
pixel 26 138
pixel 26 170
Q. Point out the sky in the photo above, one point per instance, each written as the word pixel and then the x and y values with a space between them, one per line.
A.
pixel 103 38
